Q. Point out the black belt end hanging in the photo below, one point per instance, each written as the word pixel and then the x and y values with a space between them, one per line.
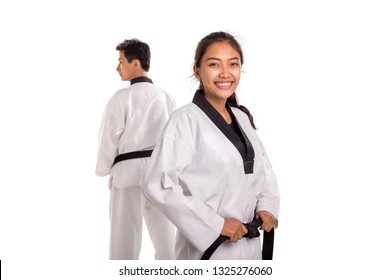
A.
pixel 268 244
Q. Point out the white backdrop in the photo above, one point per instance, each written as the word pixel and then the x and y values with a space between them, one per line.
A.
pixel 316 80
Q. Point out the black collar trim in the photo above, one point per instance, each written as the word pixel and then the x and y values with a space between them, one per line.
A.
pixel 223 126
pixel 141 80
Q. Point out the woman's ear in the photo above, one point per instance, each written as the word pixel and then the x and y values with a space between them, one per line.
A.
pixel 196 73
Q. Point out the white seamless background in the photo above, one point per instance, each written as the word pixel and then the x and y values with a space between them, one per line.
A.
pixel 316 78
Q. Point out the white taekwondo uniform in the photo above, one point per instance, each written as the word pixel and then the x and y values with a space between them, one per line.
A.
pixel 133 121
pixel 196 176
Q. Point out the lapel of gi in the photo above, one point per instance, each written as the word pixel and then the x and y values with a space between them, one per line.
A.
pixel 218 120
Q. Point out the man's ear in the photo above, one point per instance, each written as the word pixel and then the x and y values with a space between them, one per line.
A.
pixel 136 63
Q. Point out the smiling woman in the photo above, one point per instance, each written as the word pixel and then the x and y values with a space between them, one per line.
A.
pixel 209 186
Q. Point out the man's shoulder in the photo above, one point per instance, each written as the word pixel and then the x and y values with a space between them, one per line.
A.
pixel 121 93
pixel 124 90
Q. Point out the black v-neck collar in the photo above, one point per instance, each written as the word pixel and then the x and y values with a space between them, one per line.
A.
pixel 141 80
pixel 248 155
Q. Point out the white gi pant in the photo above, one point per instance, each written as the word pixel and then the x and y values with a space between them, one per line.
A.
pixel 128 207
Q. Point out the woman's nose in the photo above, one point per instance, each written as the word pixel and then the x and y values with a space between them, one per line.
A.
pixel 224 73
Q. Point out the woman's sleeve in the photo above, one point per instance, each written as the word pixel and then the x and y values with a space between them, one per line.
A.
pixel 163 188
pixel 269 197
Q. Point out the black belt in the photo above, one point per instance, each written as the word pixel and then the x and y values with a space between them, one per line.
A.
pixel 253 231
pixel 132 155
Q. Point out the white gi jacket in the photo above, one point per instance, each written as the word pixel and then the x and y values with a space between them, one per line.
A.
pixel 133 120
pixel 196 177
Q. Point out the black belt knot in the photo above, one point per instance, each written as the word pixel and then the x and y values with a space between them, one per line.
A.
pixel 253 231
pixel 253 228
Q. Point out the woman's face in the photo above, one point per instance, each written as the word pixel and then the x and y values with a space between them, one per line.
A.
pixel 219 71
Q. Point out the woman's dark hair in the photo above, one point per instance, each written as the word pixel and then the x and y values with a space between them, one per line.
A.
pixel 135 49
pixel 204 44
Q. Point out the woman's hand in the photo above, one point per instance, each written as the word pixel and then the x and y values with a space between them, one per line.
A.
pixel 268 220
pixel 233 229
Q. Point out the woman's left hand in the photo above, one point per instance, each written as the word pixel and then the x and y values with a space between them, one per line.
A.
pixel 269 221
